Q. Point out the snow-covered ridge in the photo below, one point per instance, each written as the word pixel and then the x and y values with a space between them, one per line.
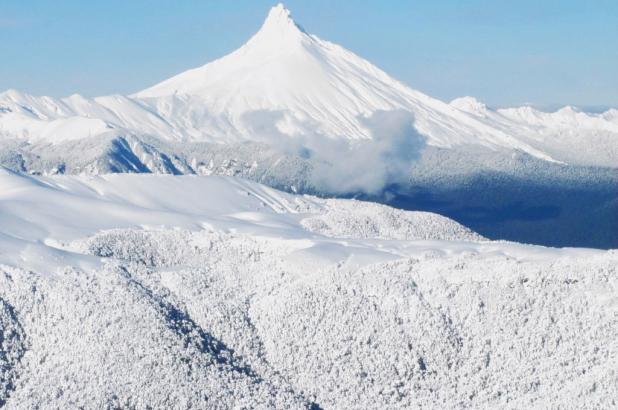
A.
pixel 59 209
pixel 353 219
pixel 287 83
pixel 123 291
pixel 572 135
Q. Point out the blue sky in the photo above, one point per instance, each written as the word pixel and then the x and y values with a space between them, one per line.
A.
pixel 544 52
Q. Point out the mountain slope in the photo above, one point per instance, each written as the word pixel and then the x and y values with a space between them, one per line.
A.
pixel 303 84
pixel 573 136
pixel 301 114
pixel 287 87
pixel 155 291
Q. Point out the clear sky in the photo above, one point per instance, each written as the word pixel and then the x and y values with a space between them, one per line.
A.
pixel 543 52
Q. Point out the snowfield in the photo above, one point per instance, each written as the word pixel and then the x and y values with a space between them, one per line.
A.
pixel 152 291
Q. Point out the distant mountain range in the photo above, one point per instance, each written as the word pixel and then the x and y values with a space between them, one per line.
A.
pixel 302 114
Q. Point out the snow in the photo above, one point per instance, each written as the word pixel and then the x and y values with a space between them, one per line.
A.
pixel 470 105
pixel 356 219
pixel 568 134
pixel 185 291
pixel 287 84
pixel 161 291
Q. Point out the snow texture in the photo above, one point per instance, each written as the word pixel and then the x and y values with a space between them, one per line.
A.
pixel 355 219
pixel 201 289
pixel 299 113
pixel 151 291
pixel 304 95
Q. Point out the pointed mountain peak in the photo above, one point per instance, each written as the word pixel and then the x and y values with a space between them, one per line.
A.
pixel 280 22
pixel 279 12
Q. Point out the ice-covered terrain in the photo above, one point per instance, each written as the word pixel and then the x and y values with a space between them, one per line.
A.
pixel 154 291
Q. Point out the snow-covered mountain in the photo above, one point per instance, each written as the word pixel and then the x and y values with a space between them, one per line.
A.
pixel 285 83
pixel 298 113
pixel 121 288
pixel 573 136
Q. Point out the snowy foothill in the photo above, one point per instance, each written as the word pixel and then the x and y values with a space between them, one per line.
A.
pixel 153 291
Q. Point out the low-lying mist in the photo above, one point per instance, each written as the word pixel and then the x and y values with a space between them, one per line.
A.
pixel 343 166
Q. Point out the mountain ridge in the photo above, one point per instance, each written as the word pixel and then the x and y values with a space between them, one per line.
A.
pixel 287 84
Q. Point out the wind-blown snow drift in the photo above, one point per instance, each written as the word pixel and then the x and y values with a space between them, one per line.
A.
pixel 213 292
